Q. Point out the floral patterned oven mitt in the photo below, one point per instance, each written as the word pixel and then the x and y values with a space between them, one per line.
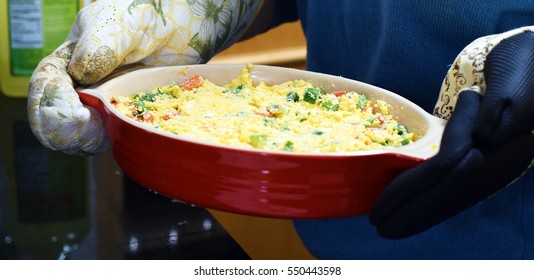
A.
pixel 112 33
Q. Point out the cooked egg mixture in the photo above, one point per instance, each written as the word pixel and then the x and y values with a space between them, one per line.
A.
pixel 292 116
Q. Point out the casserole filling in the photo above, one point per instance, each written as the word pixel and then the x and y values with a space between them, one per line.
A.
pixel 294 116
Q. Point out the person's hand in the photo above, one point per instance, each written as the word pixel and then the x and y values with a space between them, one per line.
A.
pixel 109 34
pixel 487 144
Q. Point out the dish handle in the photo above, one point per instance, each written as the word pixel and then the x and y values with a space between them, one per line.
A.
pixel 91 98
pixel 93 95
pixel 427 146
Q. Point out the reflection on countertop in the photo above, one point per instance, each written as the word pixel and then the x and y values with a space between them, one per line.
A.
pixel 55 206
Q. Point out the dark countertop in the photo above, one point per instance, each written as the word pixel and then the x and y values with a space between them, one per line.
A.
pixel 55 206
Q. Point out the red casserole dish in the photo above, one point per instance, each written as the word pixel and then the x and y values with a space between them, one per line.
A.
pixel 250 181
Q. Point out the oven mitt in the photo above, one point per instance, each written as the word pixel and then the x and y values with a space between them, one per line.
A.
pixel 488 141
pixel 109 34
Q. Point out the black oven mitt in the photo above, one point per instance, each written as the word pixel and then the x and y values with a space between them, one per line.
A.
pixel 487 144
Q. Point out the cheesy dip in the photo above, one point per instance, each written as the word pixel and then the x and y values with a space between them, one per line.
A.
pixel 292 116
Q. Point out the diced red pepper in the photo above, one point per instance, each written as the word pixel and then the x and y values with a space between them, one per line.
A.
pixel 339 93
pixel 147 117
pixel 169 114
pixel 194 82
pixel 381 119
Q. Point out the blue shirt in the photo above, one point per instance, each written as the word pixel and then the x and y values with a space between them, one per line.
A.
pixel 407 47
